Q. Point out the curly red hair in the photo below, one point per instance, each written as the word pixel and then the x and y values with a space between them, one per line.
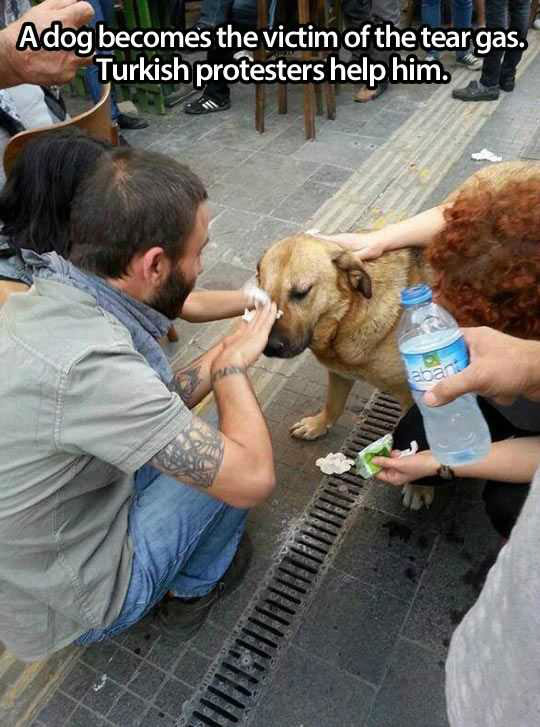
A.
pixel 487 258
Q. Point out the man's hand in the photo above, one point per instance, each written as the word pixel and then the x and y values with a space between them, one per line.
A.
pixel 502 367
pixel 243 347
pixel 399 471
pixel 43 67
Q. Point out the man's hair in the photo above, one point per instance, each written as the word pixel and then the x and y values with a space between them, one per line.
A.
pixel 35 201
pixel 134 200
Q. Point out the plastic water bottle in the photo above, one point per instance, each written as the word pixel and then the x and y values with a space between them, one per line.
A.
pixel 433 348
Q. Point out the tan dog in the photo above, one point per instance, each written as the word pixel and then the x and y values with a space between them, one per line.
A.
pixel 346 312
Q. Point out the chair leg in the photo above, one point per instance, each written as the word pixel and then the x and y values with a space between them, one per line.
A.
pixel 330 94
pixel 410 13
pixel 282 98
pixel 534 11
pixel 260 100
pixel 172 335
pixel 319 99
pixel 309 110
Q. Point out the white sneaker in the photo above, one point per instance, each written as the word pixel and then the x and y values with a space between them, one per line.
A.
pixel 430 58
pixel 536 24
pixel 470 61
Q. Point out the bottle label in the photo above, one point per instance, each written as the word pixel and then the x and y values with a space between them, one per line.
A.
pixel 424 370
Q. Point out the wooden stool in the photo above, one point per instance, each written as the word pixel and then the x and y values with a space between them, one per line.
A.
pixel 309 11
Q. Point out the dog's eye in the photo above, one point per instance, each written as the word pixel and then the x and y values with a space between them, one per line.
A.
pixel 300 294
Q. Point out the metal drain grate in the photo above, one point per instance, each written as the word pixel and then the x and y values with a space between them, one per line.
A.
pixel 235 681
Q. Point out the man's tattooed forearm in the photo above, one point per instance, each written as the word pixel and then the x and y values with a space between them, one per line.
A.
pixel 187 383
pixel 194 456
pixel 226 371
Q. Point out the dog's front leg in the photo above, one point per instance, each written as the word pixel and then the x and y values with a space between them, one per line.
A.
pixel 336 398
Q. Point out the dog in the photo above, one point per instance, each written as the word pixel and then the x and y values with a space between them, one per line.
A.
pixel 346 312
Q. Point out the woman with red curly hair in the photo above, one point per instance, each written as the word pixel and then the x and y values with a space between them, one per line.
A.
pixel 483 244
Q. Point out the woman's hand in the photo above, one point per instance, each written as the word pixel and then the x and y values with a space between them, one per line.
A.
pixel 399 471
pixel 365 245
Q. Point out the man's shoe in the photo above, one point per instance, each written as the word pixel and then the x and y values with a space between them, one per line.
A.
pixel 206 105
pixel 126 121
pixel 507 84
pixel 181 618
pixel 476 92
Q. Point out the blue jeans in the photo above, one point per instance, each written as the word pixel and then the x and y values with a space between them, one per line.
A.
pixel 500 64
pixel 103 10
pixel 461 17
pixel 216 12
pixel 183 541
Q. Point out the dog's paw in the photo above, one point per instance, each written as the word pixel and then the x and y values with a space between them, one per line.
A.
pixel 415 496
pixel 310 427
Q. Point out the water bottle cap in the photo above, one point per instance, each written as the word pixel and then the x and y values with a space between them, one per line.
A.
pixel 416 294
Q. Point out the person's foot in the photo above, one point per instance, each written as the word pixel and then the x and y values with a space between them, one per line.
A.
pixel 364 94
pixel 536 24
pixel 181 618
pixel 470 61
pixel 507 84
pixel 430 58
pixel 127 121
pixel 206 105
pixel 476 91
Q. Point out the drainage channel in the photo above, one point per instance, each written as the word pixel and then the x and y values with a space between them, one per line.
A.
pixel 234 683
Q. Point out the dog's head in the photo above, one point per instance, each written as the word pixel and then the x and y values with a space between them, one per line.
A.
pixel 314 283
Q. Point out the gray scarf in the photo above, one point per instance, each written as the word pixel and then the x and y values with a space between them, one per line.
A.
pixel 145 324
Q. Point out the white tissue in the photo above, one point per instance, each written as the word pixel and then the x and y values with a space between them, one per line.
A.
pixel 413 449
pixel 486 155
pixel 248 315
pixel 255 295
pixel 334 463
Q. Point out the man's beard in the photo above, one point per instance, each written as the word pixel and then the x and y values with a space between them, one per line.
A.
pixel 172 295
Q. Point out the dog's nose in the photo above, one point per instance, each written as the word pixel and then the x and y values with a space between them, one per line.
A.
pixel 274 347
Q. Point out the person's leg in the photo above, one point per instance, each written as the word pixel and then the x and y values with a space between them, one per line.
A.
pixel 462 19
pixel 356 13
pixel 431 15
pixel 215 12
pixel 183 541
pixel 216 94
pixel 103 12
pixel 519 12
pixel 495 18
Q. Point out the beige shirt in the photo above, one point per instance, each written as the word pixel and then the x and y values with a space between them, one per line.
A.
pixel 81 410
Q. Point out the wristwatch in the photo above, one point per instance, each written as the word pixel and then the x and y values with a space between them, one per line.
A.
pixel 446 473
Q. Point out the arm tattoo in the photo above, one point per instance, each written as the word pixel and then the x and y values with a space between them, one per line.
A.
pixel 226 371
pixel 187 382
pixel 194 456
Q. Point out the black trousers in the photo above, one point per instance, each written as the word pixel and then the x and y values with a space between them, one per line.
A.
pixel 503 500
pixel 500 65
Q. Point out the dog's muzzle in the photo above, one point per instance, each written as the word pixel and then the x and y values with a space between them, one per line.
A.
pixel 278 347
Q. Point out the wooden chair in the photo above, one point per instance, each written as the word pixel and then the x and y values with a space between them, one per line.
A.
pixel 309 11
pixel 96 122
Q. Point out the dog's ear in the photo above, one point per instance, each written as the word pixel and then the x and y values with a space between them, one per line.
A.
pixel 356 273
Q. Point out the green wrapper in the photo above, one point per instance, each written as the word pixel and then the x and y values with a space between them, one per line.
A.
pixel 381 448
